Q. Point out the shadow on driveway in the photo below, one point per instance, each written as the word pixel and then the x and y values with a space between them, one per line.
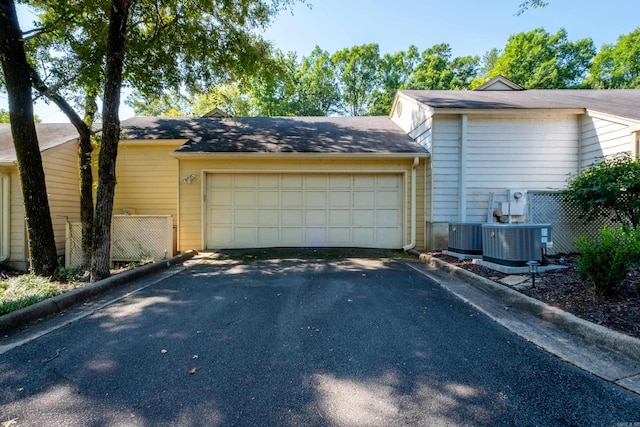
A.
pixel 297 338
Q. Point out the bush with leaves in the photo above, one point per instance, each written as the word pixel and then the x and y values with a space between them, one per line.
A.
pixel 608 190
pixel 605 261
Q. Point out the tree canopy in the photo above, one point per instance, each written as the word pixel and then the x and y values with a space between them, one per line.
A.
pixel 361 81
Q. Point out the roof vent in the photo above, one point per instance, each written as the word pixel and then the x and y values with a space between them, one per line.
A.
pixel 399 109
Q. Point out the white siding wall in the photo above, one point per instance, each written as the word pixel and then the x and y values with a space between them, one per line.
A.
pixel 601 137
pixel 408 114
pixel 502 153
pixel 445 166
pixel 519 153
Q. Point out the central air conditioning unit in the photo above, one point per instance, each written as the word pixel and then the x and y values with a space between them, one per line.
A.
pixel 515 244
pixel 465 237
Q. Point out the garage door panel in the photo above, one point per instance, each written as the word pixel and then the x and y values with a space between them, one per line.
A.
pixel 366 235
pixel 292 236
pixel 292 217
pixel 221 198
pixel 304 209
pixel 268 180
pixel 220 216
pixel 269 198
pixel 245 235
pixel 245 180
pixel 364 199
pixel 363 217
pixel 384 234
pixel 266 235
pixel 269 217
pixel 315 217
pixel 244 217
pixel 339 199
pixel 388 181
pixel 387 217
pixel 315 181
pixel 339 217
pixel 339 181
pixel 292 199
pixel 315 236
pixel 340 235
pixel 291 181
pixel 387 198
pixel 315 199
pixel 244 198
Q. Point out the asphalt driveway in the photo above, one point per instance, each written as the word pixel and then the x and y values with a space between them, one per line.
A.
pixel 253 339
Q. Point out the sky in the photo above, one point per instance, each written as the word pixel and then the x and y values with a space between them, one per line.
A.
pixel 470 27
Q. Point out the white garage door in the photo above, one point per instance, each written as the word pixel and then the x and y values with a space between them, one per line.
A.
pixel 246 210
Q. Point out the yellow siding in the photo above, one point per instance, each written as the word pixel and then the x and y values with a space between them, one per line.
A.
pixel 191 199
pixel 62 178
pixel 147 180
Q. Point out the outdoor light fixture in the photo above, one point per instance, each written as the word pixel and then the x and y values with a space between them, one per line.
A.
pixel 189 178
pixel 533 270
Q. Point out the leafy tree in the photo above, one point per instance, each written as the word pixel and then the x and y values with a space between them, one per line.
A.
pixel 436 70
pixel 617 66
pixel 167 104
pixel 227 97
pixel 316 87
pixel 42 248
pixel 433 71
pixel 465 70
pixel 395 72
pixel 539 60
pixel 609 189
pixel 168 45
pixel 272 94
pixel 530 4
pixel 5 118
pixel 357 75
pixel 487 63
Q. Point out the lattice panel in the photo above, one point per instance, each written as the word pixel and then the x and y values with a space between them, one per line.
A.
pixel 73 245
pixel 567 223
pixel 133 238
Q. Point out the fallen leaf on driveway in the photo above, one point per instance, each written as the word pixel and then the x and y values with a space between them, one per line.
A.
pixel 11 422
pixel 163 351
pixel 192 371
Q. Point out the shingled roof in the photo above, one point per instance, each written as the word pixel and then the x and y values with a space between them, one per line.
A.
pixel 623 103
pixel 49 135
pixel 328 135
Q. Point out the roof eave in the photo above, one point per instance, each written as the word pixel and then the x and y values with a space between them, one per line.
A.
pixel 509 111
pixel 290 155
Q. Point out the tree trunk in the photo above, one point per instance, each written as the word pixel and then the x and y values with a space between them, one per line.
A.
pixel 42 247
pixel 85 149
pixel 110 137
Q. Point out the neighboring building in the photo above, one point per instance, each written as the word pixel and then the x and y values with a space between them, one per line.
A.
pixel 486 142
pixel 59 146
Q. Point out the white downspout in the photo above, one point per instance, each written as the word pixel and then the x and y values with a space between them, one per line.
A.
pixel 412 244
pixel 6 211
pixel 462 185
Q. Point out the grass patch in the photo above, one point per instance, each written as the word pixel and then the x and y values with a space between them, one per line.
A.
pixel 23 290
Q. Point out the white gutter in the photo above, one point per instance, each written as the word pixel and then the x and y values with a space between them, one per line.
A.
pixel 416 161
pixel 6 211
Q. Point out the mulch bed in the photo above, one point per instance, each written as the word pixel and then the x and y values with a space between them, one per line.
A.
pixel 564 289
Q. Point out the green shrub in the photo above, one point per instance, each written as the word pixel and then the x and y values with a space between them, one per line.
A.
pixel 605 261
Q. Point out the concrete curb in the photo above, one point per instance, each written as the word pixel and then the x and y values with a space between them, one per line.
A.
pixel 20 318
pixel 591 332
